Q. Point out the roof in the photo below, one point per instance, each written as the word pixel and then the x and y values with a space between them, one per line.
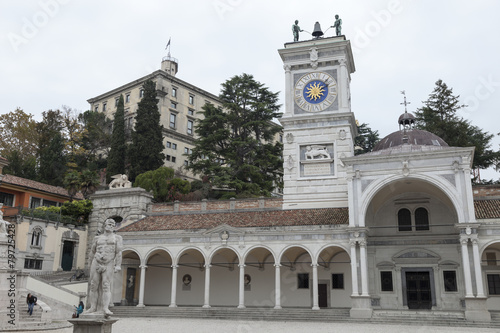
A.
pixel 269 218
pixel 31 184
pixel 410 137
pixel 487 209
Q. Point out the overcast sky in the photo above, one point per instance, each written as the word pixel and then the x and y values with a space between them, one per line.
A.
pixel 63 52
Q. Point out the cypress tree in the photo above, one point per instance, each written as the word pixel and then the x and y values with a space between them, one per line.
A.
pixel 117 153
pixel 146 150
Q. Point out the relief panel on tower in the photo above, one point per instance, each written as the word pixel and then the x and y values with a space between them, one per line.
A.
pixel 315 92
pixel 316 160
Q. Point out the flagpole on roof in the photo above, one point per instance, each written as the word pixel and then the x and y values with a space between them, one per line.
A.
pixel 168 46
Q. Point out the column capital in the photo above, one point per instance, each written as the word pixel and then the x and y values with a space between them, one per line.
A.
pixel 353 242
pixel 464 240
pixel 287 68
pixel 475 241
pixel 175 266
pixel 362 243
pixel 314 265
pixel 143 266
pixel 207 265
pixel 277 265
pixel 241 265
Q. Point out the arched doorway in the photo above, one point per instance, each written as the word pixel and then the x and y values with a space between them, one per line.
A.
pixel 224 278
pixel 259 289
pixel 334 278
pixel 158 280
pixel 191 278
pixel 296 278
pixel 129 291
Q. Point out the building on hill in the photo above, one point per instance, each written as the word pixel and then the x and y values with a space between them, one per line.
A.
pixel 43 241
pixel 397 229
pixel 180 104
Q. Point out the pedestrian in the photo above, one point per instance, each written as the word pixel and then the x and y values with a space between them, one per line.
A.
pixel 79 309
pixel 31 300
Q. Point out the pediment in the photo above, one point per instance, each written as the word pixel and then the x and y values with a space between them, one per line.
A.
pixel 416 256
pixel 223 228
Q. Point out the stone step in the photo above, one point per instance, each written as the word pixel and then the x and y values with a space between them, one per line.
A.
pixel 444 318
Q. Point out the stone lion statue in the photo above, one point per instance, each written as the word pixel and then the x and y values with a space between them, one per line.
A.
pixel 317 152
pixel 120 181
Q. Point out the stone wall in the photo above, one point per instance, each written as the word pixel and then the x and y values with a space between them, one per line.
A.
pixel 481 191
pixel 205 205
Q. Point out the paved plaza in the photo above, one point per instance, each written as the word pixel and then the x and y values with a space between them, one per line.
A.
pixel 135 325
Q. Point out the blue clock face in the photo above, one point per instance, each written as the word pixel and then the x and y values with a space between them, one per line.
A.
pixel 315 91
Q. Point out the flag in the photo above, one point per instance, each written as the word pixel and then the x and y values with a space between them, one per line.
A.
pixel 168 44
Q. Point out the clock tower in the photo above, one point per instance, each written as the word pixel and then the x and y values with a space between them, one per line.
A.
pixel 319 127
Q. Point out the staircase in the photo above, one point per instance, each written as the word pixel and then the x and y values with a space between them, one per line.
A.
pixel 417 318
pixel 24 317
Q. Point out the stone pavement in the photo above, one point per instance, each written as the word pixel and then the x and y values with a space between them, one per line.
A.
pixel 153 325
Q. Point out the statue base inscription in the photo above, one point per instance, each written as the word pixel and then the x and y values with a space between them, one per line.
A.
pixel 92 323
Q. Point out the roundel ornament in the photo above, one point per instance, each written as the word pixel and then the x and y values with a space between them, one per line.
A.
pixel 315 91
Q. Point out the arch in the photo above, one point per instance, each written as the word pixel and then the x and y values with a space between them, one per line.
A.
pixel 334 253
pixel 297 246
pixel 155 250
pixel 435 181
pixel 493 244
pixel 219 248
pixel 259 246
pixel 187 250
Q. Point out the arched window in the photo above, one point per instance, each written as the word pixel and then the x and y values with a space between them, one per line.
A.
pixel 404 220
pixel 36 237
pixel 421 219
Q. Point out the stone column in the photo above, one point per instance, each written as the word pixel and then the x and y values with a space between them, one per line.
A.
pixel 354 268
pixel 241 304
pixel 364 268
pixel 141 285
pixel 477 269
pixel 466 264
pixel 344 84
pixel 288 89
pixel 173 298
pixel 315 286
pixel 207 286
pixel 277 281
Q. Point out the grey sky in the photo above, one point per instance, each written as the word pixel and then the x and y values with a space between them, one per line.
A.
pixel 62 52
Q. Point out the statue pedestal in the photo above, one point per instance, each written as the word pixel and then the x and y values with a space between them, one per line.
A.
pixel 92 323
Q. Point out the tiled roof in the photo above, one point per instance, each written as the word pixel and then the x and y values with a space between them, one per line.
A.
pixel 23 182
pixel 487 209
pixel 296 217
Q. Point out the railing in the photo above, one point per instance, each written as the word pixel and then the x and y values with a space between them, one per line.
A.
pixel 49 216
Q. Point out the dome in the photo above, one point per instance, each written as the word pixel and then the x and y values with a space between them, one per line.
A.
pixel 411 137
pixel 406 119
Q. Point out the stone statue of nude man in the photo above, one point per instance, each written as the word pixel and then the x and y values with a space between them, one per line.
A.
pixel 106 259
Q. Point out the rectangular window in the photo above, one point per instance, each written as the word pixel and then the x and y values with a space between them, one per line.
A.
pixel 190 112
pixel 104 106
pixel 7 199
pixel 491 258
pixel 33 264
pixel 386 281
pixel 494 284
pixel 127 98
pixel 174 92
pixel 169 144
pixel 48 203
pixel 186 162
pixel 186 150
pixel 190 127
pixel 174 146
pixel 303 281
pixel 173 159
pixel 141 93
pixel 173 105
pixel 450 280
pixel 96 108
pixel 168 157
pixel 116 102
pixel 191 99
pixel 173 118
pixel 35 202
pixel 337 281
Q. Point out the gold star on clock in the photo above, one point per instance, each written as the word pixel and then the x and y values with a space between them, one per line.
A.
pixel 315 91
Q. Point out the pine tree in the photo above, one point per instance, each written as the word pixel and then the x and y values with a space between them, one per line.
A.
pixel 146 150
pixel 236 146
pixel 439 116
pixel 117 153
pixel 366 139
pixel 51 148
